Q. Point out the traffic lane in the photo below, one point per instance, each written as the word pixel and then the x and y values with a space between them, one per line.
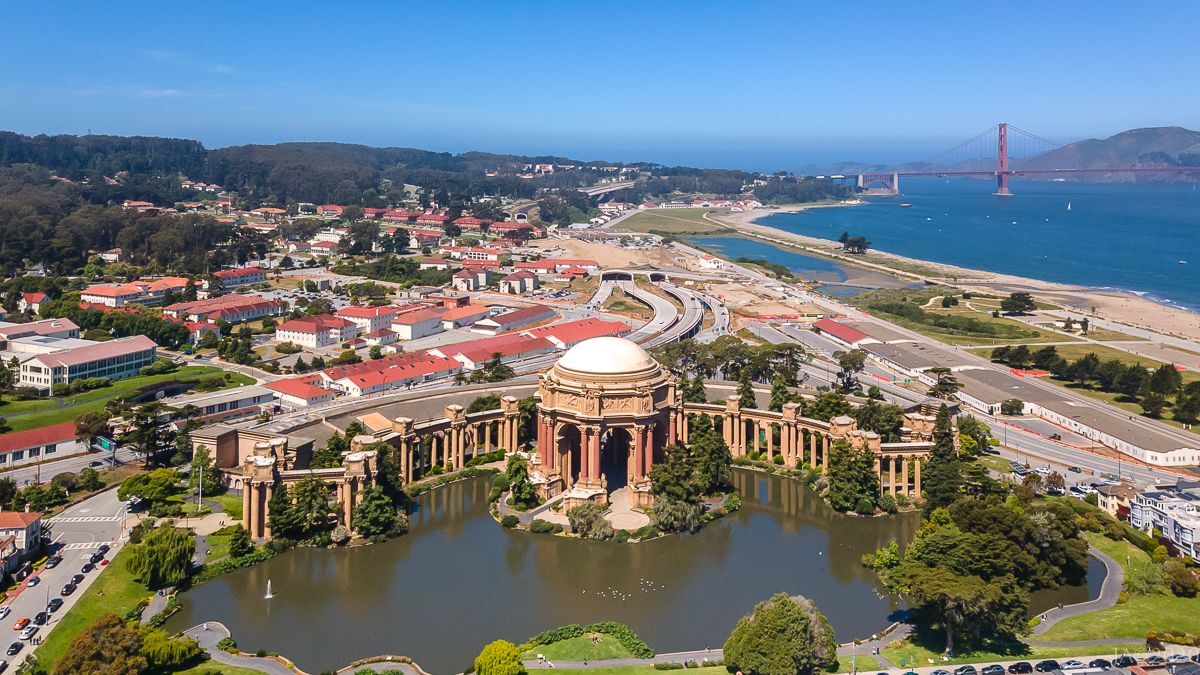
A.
pixel 35 599
pixel 26 475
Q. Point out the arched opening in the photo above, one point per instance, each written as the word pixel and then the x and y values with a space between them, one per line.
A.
pixel 658 276
pixel 570 449
pixel 616 276
pixel 614 457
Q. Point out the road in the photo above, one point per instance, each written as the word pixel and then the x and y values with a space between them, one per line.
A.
pixel 76 533
pixel 665 313
pixel 26 475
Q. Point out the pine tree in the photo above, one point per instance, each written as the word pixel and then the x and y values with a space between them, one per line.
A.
pixel 745 392
pixel 283 518
pixel 780 394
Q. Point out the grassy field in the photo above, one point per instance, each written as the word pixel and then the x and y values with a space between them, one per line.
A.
pixel 91 401
pixel 1135 616
pixel 1002 330
pixel 674 221
pixel 209 667
pixel 915 656
pixel 232 505
pixel 114 592
pixel 641 670
pixel 581 648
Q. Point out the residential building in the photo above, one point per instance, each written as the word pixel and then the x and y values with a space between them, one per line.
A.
pixel 519 282
pixel 330 210
pixel 416 324
pixel 30 302
pixel 240 276
pixel 475 354
pixel 469 280
pixel 226 403
pixel 555 265
pixel 390 372
pixel 1116 499
pixel 1173 511
pixel 316 331
pixel 434 264
pixel 42 443
pixel 143 292
pixel 570 333
pixel 21 538
pixel 370 319
pixel 69 360
pixel 512 320
pixel 300 392
pixel 464 315
pixel 234 308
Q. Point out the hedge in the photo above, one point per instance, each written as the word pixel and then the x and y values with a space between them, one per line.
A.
pixel 539 526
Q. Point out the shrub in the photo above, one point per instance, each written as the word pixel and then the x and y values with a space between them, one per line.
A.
pixel 227 644
pixel 509 521
pixel 887 503
pixel 587 521
pixel 778 460
pixel 288 348
pixel 539 526
pixel 621 536
pixel 732 502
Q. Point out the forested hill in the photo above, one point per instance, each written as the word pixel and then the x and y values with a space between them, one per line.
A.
pixel 331 172
pixel 1172 146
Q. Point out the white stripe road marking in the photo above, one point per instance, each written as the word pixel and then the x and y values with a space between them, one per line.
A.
pixel 85 519
pixel 80 545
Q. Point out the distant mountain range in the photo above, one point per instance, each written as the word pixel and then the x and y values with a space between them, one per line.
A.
pixel 1152 146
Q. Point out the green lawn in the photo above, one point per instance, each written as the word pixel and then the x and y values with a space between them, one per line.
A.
pixel 217 544
pixel 581 648
pixel 232 505
pixel 674 221
pixel 94 400
pixel 914 656
pixel 1133 617
pixel 114 592
pixel 214 667
pixel 863 664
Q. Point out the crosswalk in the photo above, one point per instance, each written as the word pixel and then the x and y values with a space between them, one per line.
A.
pixel 85 519
pixel 84 545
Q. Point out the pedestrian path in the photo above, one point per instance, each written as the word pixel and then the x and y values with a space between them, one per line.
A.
pixel 1110 590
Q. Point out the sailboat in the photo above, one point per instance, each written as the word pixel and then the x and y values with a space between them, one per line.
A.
pixel 1068 206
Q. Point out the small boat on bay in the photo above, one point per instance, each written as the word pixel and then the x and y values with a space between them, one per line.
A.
pixel 905 205
pixel 1068 206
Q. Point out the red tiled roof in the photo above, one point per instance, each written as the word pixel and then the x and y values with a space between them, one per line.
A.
pixel 525 314
pixel 513 344
pixel 840 330
pixel 364 312
pixel 100 350
pixel 456 313
pixel 30 438
pixel 297 388
pixel 34 297
pixel 570 333
pixel 411 318
pixel 18 520
pixel 239 272
pixel 312 324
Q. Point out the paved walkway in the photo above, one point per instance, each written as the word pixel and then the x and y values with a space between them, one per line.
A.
pixel 1114 581
pixel 209 634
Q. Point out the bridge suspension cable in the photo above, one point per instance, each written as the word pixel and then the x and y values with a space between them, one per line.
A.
pixel 961 146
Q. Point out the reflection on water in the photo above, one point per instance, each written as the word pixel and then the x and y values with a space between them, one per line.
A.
pixel 458 581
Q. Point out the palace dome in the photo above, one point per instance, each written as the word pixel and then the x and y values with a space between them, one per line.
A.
pixel 607 356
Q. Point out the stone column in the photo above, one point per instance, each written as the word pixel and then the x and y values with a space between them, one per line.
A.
pixel 770 428
pixel 904 475
pixel 892 474
pixel 673 427
pixel 648 451
pixel 727 432
pixel 270 490
pixel 406 452
pixel 247 491
pixel 917 477
pixel 255 525
pixel 757 427
pixel 812 449
pixel 348 505
pixel 637 466
pixel 824 453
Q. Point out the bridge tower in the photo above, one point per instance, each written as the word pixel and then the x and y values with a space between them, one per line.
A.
pixel 1002 160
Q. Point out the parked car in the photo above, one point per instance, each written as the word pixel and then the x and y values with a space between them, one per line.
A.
pixel 29 632
pixel 55 604
pixel 940 671
pixel 96 557
pixel 1047 666
pixel 965 670
pixel 21 623
pixel 1100 663
pixel 1020 668
pixel 53 562
pixel 33 581
pixel 1074 469
pixel 13 648
pixel 1196 657
pixel 103 549
pixel 1072 664
pixel 41 618
pixel 1124 661
pixel 3 665
pixel 4 611
pixel 67 590
pixel 87 567
pixel 1155 660
pixel 1177 658
pixel 77 579
pixel 994 669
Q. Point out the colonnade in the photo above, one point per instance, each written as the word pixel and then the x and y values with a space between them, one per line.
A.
pixel 449 442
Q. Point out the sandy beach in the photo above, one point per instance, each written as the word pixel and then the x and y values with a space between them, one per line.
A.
pixel 1118 306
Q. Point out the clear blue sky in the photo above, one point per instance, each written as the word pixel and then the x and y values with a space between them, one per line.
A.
pixel 758 85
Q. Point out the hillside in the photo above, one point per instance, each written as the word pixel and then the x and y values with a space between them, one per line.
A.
pixel 1136 147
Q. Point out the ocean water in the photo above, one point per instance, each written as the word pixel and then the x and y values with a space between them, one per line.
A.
pixel 1129 237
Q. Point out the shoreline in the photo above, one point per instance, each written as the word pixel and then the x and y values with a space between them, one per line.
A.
pixel 1128 308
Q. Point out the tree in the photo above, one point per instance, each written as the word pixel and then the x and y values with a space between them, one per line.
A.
pixel 967 607
pixel 108 646
pixel 283 517
pixel 711 457
pixel 162 557
pixel 521 488
pixel 149 432
pixel 166 654
pixel 745 391
pixel 853 483
pixel 499 658
pixel 851 363
pixel 1131 382
pixel 1018 302
pixel 675 515
pixel 330 456
pixel 942 478
pixel 90 426
pixel 155 486
pixel 89 479
pixel 587 521
pixel 375 352
pixel 1153 404
pixel 782 636
pixel 693 390
pixel 204 471
pixel 1012 406
pixel 780 395
pixel 375 515
pixel 240 543
pixel 945 385
pixel 481 403
pixel 828 406
pixel 312 504
pixel 884 419
pixel 1165 381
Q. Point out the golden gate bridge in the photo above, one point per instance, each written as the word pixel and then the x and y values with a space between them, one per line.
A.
pixel 1013 151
